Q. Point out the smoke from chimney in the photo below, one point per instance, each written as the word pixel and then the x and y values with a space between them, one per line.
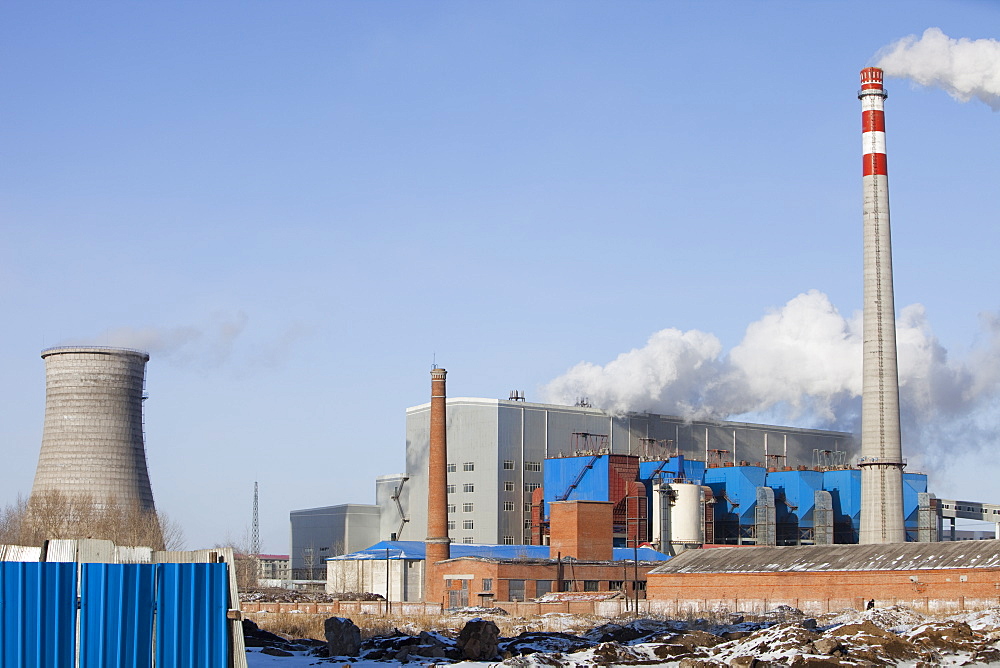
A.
pixel 964 68
pixel 799 365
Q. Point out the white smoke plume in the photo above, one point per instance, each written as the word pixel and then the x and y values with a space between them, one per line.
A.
pixel 964 68
pixel 208 344
pixel 799 365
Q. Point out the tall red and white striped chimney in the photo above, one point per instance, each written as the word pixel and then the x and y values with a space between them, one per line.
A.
pixel 438 545
pixel 881 451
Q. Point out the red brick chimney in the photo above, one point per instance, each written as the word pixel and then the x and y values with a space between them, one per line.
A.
pixel 581 529
pixel 438 545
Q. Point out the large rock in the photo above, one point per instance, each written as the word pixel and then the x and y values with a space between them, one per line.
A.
pixel 478 639
pixel 343 637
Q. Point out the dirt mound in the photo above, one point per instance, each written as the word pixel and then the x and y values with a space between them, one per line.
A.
pixel 776 643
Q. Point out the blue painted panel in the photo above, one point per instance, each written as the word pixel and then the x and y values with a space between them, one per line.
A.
pixel 560 472
pixel 845 489
pixel 191 605
pixel 37 614
pixel 795 495
pixel 735 489
pixel 913 484
pixel 116 615
pixel 694 471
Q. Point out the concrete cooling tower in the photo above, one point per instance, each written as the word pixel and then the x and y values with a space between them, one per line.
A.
pixel 92 441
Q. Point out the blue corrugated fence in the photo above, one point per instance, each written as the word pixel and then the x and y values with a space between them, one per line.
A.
pixel 131 615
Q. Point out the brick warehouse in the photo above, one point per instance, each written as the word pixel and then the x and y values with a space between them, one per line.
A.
pixel 933 577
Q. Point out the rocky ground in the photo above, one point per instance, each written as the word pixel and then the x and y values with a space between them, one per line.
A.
pixel 784 637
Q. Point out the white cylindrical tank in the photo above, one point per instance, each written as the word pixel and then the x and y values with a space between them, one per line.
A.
pixel 687 520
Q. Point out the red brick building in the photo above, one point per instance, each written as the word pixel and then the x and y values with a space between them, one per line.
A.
pixel 822 578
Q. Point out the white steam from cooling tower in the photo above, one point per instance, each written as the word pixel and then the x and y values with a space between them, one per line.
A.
pixel 964 68
pixel 800 364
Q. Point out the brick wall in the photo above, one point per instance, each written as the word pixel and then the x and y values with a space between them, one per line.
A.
pixel 581 529
pixel 932 590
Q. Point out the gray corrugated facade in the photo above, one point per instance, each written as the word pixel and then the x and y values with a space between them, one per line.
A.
pixel 319 533
pixel 495 446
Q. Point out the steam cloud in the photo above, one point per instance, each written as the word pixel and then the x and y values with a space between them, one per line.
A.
pixel 964 68
pixel 208 344
pixel 801 365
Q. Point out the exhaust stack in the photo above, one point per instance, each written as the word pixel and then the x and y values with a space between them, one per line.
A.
pixel 881 459
pixel 438 545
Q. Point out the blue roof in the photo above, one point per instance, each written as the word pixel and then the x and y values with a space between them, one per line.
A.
pixel 415 549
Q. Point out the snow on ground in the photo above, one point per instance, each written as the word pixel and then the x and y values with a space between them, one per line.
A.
pixel 894 634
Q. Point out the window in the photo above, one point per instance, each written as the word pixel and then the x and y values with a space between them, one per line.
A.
pixel 468 524
pixel 451 525
pixel 508 506
pixel 527 524
pixel 469 466
pixel 532 466
pixel 531 486
pixel 527 507
pixel 468 540
pixel 451 507
pixel 591 585
pixel 508 540
pixel 543 587
pixel 567 585
pixel 515 590
pixel 640 585
pixel 487 584
pixel 508 465
pixel 451 468
pixel 451 489
pixel 468 487
pixel 467 507
pixel 508 486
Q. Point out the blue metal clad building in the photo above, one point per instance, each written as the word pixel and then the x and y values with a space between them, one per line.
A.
pixel 578 478
pixel 735 490
pixel 795 495
pixel 691 470
pixel 913 484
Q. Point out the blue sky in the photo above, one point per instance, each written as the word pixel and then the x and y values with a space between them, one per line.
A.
pixel 299 206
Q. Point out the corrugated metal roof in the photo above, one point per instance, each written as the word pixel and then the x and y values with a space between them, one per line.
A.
pixel 892 557
pixel 415 549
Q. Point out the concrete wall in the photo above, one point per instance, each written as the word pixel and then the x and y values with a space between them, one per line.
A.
pixel 404 582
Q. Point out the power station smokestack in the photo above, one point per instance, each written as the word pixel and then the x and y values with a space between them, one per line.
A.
pixel 92 440
pixel 881 452
pixel 438 545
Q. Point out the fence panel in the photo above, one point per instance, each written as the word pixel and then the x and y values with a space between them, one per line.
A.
pixel 116 616
pixel 37 614
pixel 191 605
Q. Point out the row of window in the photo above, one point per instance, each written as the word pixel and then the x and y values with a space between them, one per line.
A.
pixel 508 465
pixel 466 524
pixel 467 487
pixel 466 507
pixel 509 506
pixel 509 540
pixel 508 486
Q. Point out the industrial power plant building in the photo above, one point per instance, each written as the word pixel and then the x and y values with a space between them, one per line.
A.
pixel 497 451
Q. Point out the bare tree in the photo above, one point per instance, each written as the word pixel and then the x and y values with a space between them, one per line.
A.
pixel 54 515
